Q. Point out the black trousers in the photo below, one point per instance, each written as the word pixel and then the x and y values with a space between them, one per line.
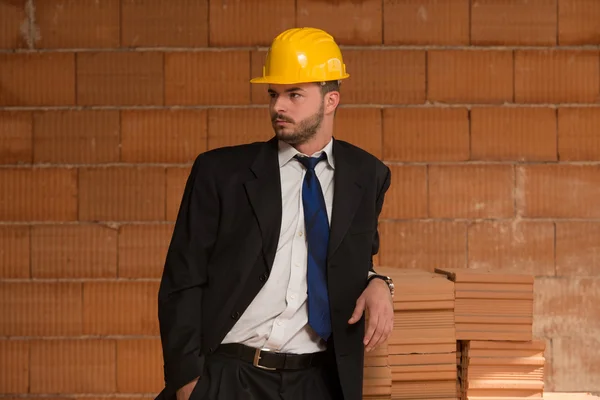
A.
pixel 227 378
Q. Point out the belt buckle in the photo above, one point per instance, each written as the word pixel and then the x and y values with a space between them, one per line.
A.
pixel 257 359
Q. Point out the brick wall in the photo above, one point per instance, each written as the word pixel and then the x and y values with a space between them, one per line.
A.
pixel 486 111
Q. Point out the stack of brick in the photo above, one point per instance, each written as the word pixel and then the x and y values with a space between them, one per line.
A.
pixel 377 380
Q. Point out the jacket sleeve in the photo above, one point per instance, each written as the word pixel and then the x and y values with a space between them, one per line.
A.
pixel 384 180
pixel 184 276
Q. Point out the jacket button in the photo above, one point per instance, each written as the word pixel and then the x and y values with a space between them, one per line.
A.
pixel 235 315
pixel 263 277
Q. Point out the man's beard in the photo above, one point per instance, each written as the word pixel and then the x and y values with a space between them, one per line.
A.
pixel 304 130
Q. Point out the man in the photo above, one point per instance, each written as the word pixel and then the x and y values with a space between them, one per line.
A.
pixel 269 271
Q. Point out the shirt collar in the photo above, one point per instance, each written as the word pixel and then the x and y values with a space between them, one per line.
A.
pixel 287 153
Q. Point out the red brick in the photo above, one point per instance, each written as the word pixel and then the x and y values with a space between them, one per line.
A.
pixel 576 366
pixel 78 24
pixel 40 308
pixel 207 78
pixel 249 23
pixel 12 18
pixel 176 180
pixel 423 244
pixel 384 77
pixel 163 136
pixel 566 307
pixel 426 22
pixel 227 127
pixel 37 79
pixel 354 22
pixel 578 138
pixel 139 366
pixel 14 252
pixel 124 78
pixel 120 308
pixel 73 251
pixel 38 194
pixel 471 191
pixel 361 127
pixel 14 366
pixel 177 23
pixel 77 137
pixel 578 22
pixel 520 22
pixel 577 252
pixel 73 366
pixel 512 246
pixel 559 191
pixel 425 134
pixel 475 76
pixel 122 193
pixel 513 134
pixel 143 249
pixel 16 130
pixel 557 76
pixel 407 196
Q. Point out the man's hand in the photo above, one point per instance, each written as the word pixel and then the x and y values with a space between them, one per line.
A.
pixel 376 299
pixel 184 392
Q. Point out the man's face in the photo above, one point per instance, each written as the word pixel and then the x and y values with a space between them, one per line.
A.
pixel 296 111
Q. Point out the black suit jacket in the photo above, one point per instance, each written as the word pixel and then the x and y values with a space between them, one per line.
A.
pixel 224 244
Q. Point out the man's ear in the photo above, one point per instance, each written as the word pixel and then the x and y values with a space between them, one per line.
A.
pixel 332 100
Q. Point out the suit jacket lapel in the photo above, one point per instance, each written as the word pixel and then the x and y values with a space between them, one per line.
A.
pixel 264 194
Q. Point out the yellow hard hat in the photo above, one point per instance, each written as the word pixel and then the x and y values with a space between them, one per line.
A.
pixel 301 55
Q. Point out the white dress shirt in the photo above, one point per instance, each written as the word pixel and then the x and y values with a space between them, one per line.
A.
pixel 277 318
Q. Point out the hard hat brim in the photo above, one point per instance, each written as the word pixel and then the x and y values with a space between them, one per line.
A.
pixel 286 81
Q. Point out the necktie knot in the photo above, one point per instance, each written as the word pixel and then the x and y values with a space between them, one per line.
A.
pixel 310 162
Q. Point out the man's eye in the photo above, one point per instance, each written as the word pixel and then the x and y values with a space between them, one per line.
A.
pixel 295 95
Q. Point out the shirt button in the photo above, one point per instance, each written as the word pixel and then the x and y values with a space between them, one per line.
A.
pixel 279 323
pixel 293 296
pixel 299 233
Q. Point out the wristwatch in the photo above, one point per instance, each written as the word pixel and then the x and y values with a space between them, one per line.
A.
pixel 386 279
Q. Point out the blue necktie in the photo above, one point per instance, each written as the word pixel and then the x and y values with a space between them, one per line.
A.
pixel 317 236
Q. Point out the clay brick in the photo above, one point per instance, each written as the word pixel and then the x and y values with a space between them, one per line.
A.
pixel 124 78
pixel 557 76
pixel 515 246
pixel 13 20
pixel 259 92
pixel 349 22
pixel 37 79
pixel 14 252
pixel 407 196
pixel 578 22
pixel 38 194
pixel 163 136
pixel 361 127
pixel 77 24
pixel 73 366
pixel 120 308
pixel 177 23
pixel 577 252
pixel 73 251
pixel 425 134
pixel 40 308
pixel 475 76
pixel 426 22
pixel 423 244
pixel 578 138
pixel 576 366
pixel 520 22
pixel 139 366
pixel 176 180
pixel 513 134
pixel 122 193
pixel 471 191
pixel 250 22
pixel 143 249
pixel 558 191
pixel 227 127
pixel 207 78
pixel 384 77
pixel 77 137
pixel 566 307
pixel 14 366
pixel 16 131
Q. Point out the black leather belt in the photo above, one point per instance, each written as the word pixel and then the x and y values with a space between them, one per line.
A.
pixel 271 360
